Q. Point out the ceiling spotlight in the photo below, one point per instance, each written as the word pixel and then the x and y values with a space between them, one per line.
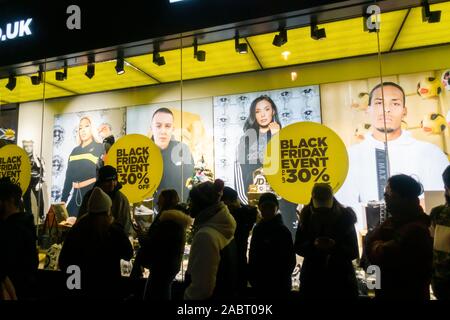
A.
pixel 61 76
pixel 280 39
pixel 36 80
pixel 200 55
pixel 294 76
pixel 120 66
pixel 12 81
pixel 316 33
pixel 286 55
pixel 157 58
pixel 90 72
pixel 428 15
pixel 241 48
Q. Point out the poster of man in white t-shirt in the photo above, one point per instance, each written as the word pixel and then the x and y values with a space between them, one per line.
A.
pixel 373 160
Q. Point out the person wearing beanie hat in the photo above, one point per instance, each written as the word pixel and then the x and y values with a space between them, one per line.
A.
pixel 401 246
pixel 99 202
pixel 120 208
pixel 326 238
pixel 212 266
pixel 271 248
pixel 97 245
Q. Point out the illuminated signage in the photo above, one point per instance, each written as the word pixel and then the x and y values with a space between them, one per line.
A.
pixel 15 30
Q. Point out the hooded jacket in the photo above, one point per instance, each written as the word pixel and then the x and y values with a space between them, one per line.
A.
pixel 163 248
pixel 18 252
pixel 214 228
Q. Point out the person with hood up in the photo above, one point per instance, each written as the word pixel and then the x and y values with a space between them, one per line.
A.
pixel 272 256
pixel 120 210
pixel 402 246
pixel 96 245
pixel 17 241
pixel 212 266
pixel 326 238
pixel 163 248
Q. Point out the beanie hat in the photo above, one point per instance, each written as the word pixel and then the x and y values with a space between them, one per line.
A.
pixel 99 201
pixel 107 173
pixel 207 193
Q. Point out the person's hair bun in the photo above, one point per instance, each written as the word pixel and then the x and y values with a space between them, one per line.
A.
pixel 219 185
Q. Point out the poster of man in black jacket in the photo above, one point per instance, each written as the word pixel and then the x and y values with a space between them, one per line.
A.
pixel 177 158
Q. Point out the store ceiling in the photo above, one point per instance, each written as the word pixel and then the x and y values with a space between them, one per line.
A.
pixel 399 30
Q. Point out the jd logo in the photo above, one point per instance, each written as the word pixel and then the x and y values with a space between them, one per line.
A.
pixel 15 29
pixel 74 280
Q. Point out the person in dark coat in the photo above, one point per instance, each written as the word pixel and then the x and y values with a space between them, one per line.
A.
pixel 326 238
pixel 97 245
pixel 163 248
pixel 272 257
pixel 17 241
pixel 402 246
pixel 120 210
pixel 245 217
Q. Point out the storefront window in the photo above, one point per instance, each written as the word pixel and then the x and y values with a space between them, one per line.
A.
pixel 212 101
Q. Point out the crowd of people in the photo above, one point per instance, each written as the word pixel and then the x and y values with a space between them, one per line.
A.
pixel 410 248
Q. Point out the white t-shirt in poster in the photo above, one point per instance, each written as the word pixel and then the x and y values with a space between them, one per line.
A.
pixel 422 160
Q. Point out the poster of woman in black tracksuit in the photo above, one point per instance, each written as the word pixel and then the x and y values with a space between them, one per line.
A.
pixel 82 166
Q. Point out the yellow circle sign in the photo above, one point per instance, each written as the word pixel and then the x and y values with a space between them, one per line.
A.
pixel 301 155
pixel 15 164
pixel 139 165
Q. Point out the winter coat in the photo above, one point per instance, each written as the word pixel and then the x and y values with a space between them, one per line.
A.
pixel 18 253
pixel 404 252
pixel 327 274
pixel 213 254
pixel 98 254
pixel 163 248
pixel 271 258
pixel 245 217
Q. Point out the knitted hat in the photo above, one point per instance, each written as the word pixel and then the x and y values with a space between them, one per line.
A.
pixel 99 201
pixel 207 193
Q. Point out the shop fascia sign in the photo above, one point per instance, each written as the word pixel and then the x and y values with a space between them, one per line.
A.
pixel 16 29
